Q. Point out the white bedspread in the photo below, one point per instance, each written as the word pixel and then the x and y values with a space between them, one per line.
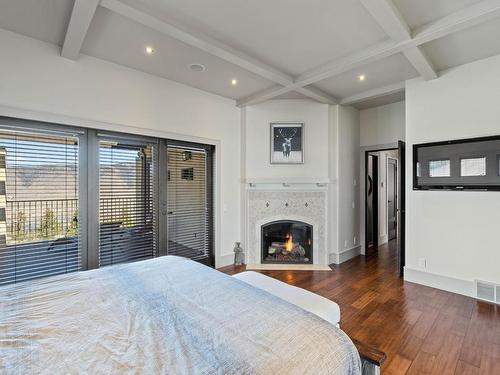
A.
pixel 166 315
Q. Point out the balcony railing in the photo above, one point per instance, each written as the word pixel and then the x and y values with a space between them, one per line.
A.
pixel 42 236
pixel 37 220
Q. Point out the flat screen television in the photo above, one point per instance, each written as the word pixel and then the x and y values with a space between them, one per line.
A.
pixel 463 164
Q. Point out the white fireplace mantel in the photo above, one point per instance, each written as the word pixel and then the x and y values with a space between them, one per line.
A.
pixel 290 184
pixel 288 181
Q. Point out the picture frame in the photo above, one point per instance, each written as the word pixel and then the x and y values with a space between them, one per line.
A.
pixel 287 142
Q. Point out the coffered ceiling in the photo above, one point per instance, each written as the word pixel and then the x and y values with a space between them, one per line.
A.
pixel 315 49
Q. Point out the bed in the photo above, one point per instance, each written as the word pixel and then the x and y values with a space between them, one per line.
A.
pixel 165 315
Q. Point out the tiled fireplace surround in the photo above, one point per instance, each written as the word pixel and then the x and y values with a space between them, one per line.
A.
pixel 307 204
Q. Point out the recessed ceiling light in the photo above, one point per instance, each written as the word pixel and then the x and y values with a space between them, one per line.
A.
pixel 361 77
pixel 234 82
pixel 149 50
pixel 197 67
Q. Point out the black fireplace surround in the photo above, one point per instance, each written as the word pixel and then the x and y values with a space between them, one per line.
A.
pixel 287 241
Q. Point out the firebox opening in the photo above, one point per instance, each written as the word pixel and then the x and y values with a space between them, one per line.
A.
pixel 287 241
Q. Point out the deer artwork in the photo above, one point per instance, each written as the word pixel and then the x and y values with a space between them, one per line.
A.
pixel 287 142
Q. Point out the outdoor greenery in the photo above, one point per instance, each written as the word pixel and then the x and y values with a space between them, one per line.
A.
pixel 48 226
pixel 53 224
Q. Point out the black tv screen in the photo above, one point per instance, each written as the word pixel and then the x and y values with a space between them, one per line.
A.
pixel 464 164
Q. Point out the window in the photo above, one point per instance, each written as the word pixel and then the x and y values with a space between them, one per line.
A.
pixel 39 205
pixel 126 220
pixel 473 167
pixel 419 173
pixel 75 199
pixel 439 168
pixel 187 174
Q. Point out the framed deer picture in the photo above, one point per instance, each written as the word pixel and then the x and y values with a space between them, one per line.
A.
pixel 287 143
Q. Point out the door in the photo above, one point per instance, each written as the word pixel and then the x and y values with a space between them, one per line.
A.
pixel 189 201
pixel 392 179
pixel 127 230
pixel 401 207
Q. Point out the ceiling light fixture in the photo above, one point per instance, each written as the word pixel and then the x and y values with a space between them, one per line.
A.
pixel 234 82
pixel 197 67
pixel 149 50
pixel 361 77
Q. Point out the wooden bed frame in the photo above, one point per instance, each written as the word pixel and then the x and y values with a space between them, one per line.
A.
pixel 371 358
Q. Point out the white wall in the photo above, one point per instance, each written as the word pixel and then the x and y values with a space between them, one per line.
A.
pixel 344 187
pixel 456 232
pixel 256 138
pixel 333 187
pixel 36 83
pixel 331 152
pixel 380 128
pixel 382 125
pixel 257 142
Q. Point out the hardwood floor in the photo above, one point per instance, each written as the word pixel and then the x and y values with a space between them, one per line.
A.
pixel 422 330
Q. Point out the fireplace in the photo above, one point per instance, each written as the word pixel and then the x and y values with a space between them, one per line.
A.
pixel 287 241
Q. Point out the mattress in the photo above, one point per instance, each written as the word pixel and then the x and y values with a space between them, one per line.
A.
pixel 168 315
pixel 318 305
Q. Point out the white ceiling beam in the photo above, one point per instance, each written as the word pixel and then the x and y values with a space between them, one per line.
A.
pixel 263 95
pixel 457 21
pixel 277 90
pixel 389 18
pixel 317 94
pixel 344 64
pixel 81 17
pixel 375 93
pixel 203 43
pixel 460 20
pixel 392 22
pixel 336 67
pixel 418 58
pixel 211 46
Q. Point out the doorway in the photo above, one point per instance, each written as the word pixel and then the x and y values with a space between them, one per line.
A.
pixel 392 196
pixel 186 191
pixel 384 199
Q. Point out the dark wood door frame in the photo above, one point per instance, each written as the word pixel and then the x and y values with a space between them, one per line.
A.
pixel 402 207
pixel 402 202
pixel 374 183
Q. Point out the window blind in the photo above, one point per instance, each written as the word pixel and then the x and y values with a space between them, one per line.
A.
pixel 127 229
pixel 39 226
pixel 189 203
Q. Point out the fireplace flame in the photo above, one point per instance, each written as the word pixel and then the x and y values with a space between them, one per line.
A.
pixel 289 242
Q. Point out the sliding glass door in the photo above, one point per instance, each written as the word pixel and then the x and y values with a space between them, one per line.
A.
pixel 39 202
pixel 75 199
pixel 127 225
pixel 189 201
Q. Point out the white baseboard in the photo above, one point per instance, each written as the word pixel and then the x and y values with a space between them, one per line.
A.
pixel 224 260
pixel 287 267
pixel 344 255
pixel 383 239
pixel 448 283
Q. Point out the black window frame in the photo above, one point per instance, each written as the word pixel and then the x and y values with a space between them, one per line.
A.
pixel 88 186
